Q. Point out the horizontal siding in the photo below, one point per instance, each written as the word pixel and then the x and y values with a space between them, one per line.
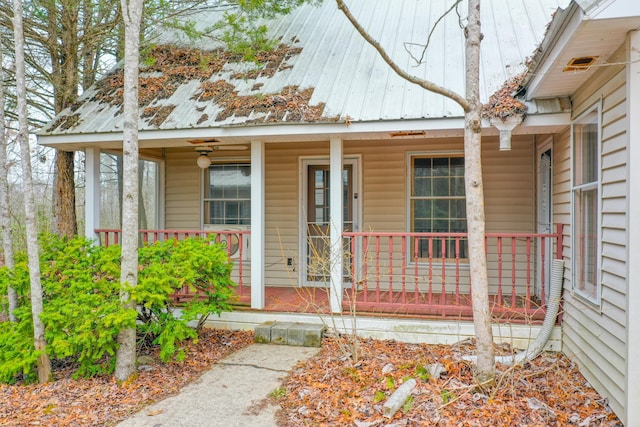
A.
pixel 182 189
pixel 595 336
pixel 509 192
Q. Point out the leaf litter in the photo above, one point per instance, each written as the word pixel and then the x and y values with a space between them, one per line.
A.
pixel 329 390
pixel 100 401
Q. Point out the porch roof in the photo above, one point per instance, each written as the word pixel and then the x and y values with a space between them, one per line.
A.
pixel 323 79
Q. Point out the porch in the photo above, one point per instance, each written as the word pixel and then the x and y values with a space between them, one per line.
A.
pixel 406 274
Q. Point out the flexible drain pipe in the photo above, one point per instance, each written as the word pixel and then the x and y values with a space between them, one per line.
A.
pixel 553 305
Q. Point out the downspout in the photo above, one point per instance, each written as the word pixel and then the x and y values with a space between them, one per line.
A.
pixel 553 306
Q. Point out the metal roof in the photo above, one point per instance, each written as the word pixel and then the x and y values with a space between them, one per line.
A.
pixel 335 71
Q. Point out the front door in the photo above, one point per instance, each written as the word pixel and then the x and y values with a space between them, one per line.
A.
pixel 316 248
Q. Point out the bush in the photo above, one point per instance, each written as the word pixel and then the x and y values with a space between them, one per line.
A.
pixel 82 311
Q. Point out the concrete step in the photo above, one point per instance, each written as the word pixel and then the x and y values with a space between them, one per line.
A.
pixel 290 333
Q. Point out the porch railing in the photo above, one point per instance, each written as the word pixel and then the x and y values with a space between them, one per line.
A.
pixel 233 239
pixel 415 273
pixel 428 273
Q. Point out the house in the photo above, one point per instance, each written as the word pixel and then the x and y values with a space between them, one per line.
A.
pixel 254 152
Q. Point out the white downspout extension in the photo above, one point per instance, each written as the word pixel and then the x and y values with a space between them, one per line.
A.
pixel 506 126
pixel 553 305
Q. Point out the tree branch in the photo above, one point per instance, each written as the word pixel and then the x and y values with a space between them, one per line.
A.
pixel 433 28
pixel 425 84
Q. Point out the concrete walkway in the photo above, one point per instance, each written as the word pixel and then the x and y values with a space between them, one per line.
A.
pixel 234 392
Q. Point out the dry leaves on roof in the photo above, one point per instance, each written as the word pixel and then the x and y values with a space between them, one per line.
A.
pixel 503 103
pixel 330 391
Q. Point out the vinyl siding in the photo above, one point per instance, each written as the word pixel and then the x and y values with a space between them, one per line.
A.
pixel 182 190
pixel 595 336
pixel 509 184
pixel 509 176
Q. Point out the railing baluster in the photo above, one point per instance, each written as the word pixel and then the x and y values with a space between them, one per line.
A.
pixel 443 288
pixel 390 269
pixel 365 267
pixel 499 246
pixel 377 269
pixel 416 285
pixel 457 296
pixel 403 248
pixel 543 272
pixel 528 291
pixel 430 270
pixel 513 272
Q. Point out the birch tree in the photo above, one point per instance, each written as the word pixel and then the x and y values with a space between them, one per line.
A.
pixel 472 107
pixel 5 220
pixel 132 15
pixel 44 365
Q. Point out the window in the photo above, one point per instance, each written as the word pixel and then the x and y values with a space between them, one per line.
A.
pixel 111 170
pixel 227 198
pixel 437 204
pixel 585 205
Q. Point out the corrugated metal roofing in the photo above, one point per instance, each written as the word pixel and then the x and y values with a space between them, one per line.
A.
pixel 345 74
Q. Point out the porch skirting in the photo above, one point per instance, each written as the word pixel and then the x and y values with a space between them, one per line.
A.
pixel 519 336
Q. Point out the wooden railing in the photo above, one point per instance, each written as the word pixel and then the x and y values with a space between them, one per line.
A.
pixel 417 273
pixel 235 241
pixel 428 273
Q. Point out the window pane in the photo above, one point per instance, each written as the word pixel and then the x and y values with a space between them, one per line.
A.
pixel 228 194
pixel 586 150
pixel 438 204
pixel 585 204
pixel 587 241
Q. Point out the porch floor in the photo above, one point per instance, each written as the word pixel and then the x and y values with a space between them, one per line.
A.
pixel 316 300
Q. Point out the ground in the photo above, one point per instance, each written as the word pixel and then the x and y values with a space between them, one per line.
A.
pixel 99 401
pixel 333 389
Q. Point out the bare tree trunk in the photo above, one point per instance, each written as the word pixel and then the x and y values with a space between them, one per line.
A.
pixel 5 220
pixel 119 170
pixel 485 367
pixel 44 365
pixel 66 223
pixel 126 355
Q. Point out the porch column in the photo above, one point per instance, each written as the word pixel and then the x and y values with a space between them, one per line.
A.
pixel 335 223
pixel 257 225
pixel 633 278
pixel 92 192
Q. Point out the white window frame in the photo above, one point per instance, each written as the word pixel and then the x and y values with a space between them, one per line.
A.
pixel 409 183
pixel 203 190
pixel 594 300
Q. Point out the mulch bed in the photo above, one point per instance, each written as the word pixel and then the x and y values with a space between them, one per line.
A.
pixel 332 390
pixel 100 401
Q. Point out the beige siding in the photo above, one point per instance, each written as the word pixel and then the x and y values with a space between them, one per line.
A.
pixel 595 336
pixel 509 189
pixel 182 190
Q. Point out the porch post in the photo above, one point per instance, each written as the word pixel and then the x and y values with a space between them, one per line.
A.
pixel 335 223
pixel 92 192
pixel 633 278
pixel 257 225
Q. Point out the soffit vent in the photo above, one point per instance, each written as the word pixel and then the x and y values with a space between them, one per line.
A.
pixel 582 63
